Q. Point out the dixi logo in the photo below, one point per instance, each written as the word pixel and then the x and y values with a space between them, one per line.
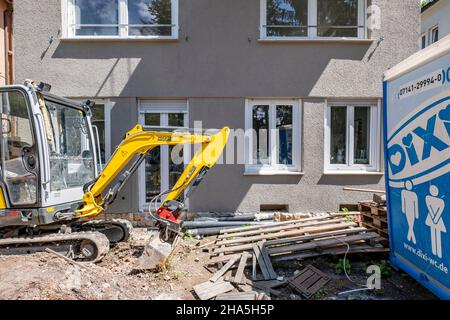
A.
pixel 410 148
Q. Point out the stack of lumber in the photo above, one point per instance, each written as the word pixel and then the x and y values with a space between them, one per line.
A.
pixel 296 239
pixel 259 246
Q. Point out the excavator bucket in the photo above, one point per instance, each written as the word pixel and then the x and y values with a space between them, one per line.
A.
pixel 155 254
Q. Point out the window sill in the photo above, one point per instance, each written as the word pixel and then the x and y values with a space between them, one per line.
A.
pixel 315 40
pixel 353 172
pixel 118 39
pixel 273 173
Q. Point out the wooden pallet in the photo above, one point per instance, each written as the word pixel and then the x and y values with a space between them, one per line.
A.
pixel 374 220
pixel 372 207
pixel 383 232
pixel 308 281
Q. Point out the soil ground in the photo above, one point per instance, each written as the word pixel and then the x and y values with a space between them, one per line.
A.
pixel 45 276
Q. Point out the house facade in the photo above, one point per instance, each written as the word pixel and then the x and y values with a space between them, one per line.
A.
pixel 303 76
pixel 435 23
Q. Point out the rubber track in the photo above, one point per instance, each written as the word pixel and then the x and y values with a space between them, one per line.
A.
pixel 123 222
pixel 99 239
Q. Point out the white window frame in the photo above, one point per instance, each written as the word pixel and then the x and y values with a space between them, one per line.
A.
pixel 431 34
pixel 163 108
pixel 375 140
pixel 312 23
pixel 273 168
pixel 68 23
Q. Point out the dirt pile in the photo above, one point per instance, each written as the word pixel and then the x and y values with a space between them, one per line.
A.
pixel 45 276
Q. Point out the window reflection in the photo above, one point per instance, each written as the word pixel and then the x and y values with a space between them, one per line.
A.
pixel 337 18
pixel 287 18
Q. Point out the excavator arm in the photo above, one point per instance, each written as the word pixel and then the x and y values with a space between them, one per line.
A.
pixel 137 143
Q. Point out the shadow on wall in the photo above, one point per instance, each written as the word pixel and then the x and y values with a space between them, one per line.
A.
pixel 225 187
pixel 199 68
pixel 350 180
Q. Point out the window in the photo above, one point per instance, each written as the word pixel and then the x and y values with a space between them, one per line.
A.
pixel 423 41
pixel 434 34
pixel 17 135
pixel 273 136
pixel 164 165
pixel 284 19
pixel 71 156
pixel 121 18
pixel 352 137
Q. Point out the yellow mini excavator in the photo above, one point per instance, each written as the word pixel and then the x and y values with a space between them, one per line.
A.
pixel 52 186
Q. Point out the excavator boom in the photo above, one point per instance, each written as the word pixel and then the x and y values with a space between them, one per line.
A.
pixel 137 143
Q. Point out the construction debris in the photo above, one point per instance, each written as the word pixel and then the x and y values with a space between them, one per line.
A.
pixel 259 246
pixel 264 263
pixel 287 240
pixel 208 289
pixel 308 281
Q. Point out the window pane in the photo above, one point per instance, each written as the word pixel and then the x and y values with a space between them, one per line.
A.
pixel 152 174
pixel 96 12
pixel 17 135
pixel 71 156
pixel 337 18
pixel 260 116
pixel 152 119
pixel 435 35
pixel 150 12
pixel 282 13
pixel 98 119
pixel 176 119
pixel 338 135
pixel 176 165
pixel 285 131
pixel 424 42
pixel 362 135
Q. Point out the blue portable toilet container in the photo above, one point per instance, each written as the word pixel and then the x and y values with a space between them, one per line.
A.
pixel 416 117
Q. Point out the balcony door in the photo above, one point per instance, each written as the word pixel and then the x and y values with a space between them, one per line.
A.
pixel 163 165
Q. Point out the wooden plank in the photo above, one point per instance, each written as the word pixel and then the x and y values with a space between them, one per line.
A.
pixel 274 228
pixel 315 236
pixel 239 276
pixel 267 262
pixel 254 266
pixel 208 290
pixel 248 295
pixel 305 275
pixel 266 284
pixel 286 234
pixel 224 269
pixel 241 229
pixel 218 259
pixel 323 243
pixel 360 248
pixel 261 263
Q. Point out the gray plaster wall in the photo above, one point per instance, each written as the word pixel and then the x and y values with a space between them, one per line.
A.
pixel 215 64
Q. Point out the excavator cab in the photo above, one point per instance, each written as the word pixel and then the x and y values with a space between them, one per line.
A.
pixel 48 154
